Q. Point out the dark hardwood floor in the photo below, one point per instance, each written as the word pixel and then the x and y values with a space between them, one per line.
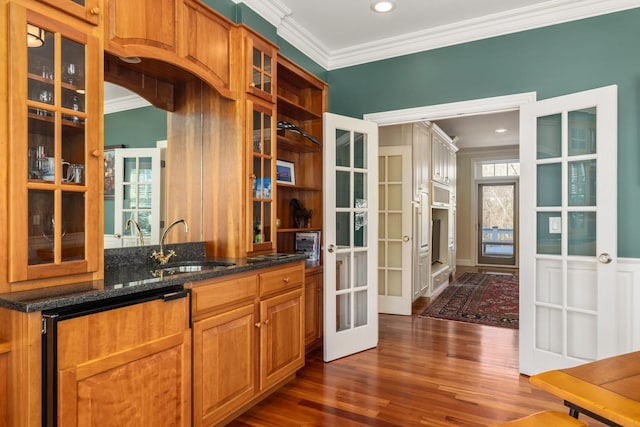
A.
pixel 425 372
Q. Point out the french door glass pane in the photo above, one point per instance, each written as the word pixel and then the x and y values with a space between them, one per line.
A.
pixel 582 183
pixel 343 271
pixel 582 132
pixel 394 289
pixel 549 242
pixel 360 225
pixel 395 225
pixel 361 308
pixel 360 195
pixel 549 136
pixel 549 190
pixel 343 233
pixel 343 148
pixel 343 189
pixel 360 150
pixel 582 233
pixel 343 312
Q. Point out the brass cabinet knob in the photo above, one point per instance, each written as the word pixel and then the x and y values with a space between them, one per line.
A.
pixel 258 325
pixel 95 11
pixel 96 153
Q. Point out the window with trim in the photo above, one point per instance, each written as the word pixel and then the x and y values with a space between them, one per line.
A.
pixel 498 169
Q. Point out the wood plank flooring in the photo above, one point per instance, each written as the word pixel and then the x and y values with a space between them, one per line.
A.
pixel 424 372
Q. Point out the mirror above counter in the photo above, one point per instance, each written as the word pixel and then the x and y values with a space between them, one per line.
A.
pixel 135 135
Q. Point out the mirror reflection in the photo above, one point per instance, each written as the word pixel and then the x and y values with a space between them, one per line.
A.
pixel 135 138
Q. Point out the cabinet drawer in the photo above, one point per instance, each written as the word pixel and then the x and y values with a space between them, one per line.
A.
pixel 207 296
pixel 279 280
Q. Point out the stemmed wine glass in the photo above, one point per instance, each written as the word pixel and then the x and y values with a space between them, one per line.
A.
pixel 71 72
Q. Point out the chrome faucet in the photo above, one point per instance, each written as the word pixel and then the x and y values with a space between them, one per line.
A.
pixel 161 257
pixel 127 227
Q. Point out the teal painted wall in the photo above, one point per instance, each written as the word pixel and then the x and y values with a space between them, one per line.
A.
pixel 139 128
pixel 551 61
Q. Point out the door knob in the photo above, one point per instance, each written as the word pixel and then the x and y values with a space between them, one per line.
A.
pixel 331 249
pixel 405 238
pixel 604 258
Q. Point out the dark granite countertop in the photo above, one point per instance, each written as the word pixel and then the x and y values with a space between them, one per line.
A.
pixel 122 278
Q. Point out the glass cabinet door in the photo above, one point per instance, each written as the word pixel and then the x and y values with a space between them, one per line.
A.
pixel 261 65
pixel 262 173
pixel 51 186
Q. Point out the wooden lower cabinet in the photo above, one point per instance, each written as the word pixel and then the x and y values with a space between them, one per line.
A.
pixel 281 339
pixel 4 391
pixel 247 339
pixel 129 366
pixel 224 354
pixel 313 308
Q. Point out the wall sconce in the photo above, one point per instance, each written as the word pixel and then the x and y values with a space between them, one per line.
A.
pixel 35 36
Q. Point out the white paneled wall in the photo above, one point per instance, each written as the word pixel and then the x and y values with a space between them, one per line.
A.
pixel 627 289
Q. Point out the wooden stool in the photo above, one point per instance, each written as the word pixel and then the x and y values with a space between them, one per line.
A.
pixel 544 419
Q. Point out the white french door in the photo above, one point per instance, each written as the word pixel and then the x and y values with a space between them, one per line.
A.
pixel 394 230
pixel 568 229
pixel 137 194
pixel 351 236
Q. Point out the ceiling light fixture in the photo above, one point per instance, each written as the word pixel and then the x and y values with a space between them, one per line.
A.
pixel 383 6
pixel 35 36
pixel 130 59
pixel 501 130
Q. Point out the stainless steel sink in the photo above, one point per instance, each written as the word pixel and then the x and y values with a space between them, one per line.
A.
pixel 193 266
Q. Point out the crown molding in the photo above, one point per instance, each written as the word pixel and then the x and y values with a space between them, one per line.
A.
pixel 273 11
pixel 526 18
pixel 124 103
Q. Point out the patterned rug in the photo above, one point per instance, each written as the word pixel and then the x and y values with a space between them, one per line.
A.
pixel 489 299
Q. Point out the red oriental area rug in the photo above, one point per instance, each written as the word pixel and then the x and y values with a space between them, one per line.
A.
pixel 489 299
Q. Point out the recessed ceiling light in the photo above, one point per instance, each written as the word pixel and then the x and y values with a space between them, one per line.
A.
pixel 501 130
pixel 383 6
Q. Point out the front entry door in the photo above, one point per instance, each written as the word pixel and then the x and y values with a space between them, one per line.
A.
pixel 496 223
pixel 351 236
pixel 568 236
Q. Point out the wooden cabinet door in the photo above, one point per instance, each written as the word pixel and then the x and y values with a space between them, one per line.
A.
pixel 281 337
pixel 129 366
pixel 212 54
pixel 313 308
pixel 151 23
pixel 88 10
pixel 224 355
pixel 55 100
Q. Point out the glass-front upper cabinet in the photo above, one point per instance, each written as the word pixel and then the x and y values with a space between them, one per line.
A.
pixel 261 67
pixel 54 148
pixel 89 10
pixel 262 167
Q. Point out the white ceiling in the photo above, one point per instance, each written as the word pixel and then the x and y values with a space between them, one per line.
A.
pixel 340 33
pixel 480 130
